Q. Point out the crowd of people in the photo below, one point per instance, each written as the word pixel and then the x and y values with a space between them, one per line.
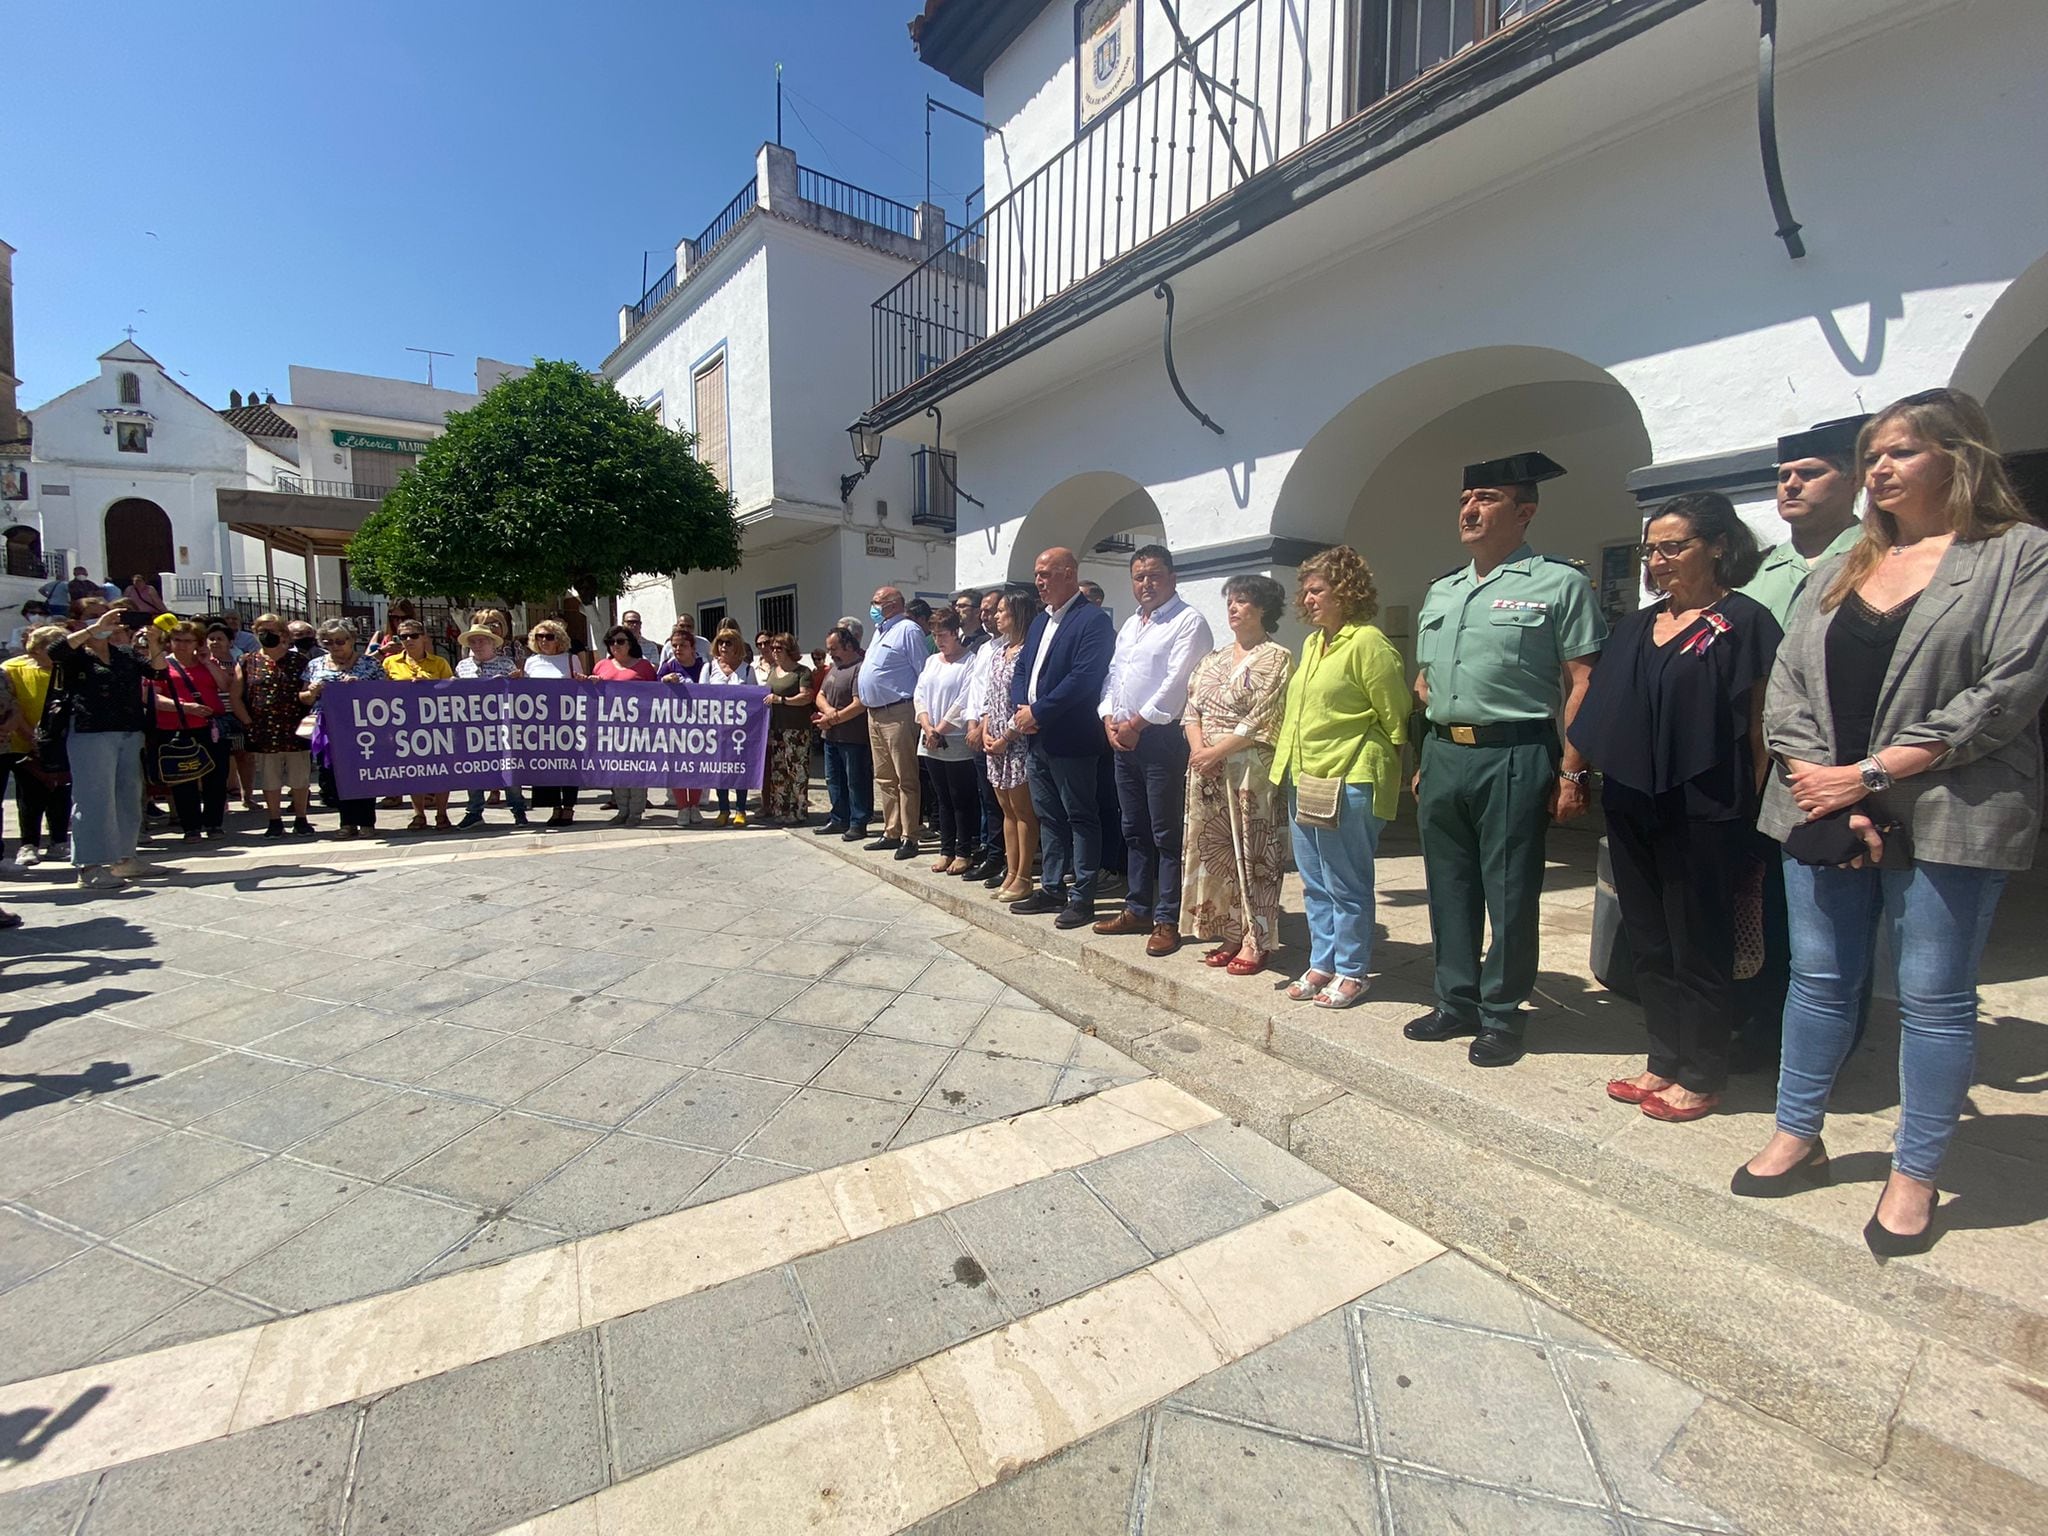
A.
pixel 1792 748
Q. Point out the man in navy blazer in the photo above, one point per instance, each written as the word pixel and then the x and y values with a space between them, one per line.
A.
pixel 1057 689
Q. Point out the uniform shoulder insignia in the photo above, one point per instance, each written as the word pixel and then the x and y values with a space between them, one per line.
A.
pixel 1576 565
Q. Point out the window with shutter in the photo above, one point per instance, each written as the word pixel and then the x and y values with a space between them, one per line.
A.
pixel 713 444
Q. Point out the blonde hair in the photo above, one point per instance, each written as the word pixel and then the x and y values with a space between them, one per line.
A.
pixel 42 637
pixel 1350 582
pixel 268 621
pixel 1980 502
pixel 548 629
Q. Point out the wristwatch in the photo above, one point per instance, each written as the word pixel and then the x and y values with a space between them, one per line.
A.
pixel 1873 774
pixel 1579 776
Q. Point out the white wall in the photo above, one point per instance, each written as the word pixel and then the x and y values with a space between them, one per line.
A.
pixel 729 311
pixel 1646 261
pixel 832 573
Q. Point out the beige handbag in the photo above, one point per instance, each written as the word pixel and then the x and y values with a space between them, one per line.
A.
pixel 1317 801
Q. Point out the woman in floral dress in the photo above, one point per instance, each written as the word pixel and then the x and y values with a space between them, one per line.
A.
pixel 791 700
pixel 1236 839
pixel 1005 748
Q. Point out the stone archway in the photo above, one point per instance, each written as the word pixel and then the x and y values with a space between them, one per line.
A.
pixel 1383 475
pixel 1078 513
pixel 138 539
pixel 2005 365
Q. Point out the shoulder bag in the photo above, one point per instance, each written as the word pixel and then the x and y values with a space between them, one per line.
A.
pixel 52 759
pixel 181 757
pixel 1318 801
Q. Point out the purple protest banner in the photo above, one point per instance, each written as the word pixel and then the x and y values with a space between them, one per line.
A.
pixel 417 738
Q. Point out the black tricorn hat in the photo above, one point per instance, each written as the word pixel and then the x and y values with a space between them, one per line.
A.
pixel 1823 440
pixel 1516 469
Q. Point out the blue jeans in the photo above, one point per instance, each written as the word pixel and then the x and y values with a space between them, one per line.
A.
pixel 725 801
pixel 1336 883
pixel 474 806
pixel 850 782
pixel 1063 792
pixel 106 795
pixel 1937 917
pixel 1152 796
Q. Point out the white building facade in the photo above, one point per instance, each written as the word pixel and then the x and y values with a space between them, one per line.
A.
pixel 124 476
pixel 1401 236
pixel 757 342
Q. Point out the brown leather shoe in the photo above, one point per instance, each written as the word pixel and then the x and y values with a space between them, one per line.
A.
pixel 1164 941
pixel 1125 921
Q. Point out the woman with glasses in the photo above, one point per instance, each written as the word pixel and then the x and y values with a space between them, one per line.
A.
pixel 341 663
pixel 1673 720
pixel 728 668
pixel 940 701
pixel 549 656
pixel 108 690
pixel 190 697
pixel 787 798
pixel 682 662
pixel 623 662
pixel 409 657
pixel 1905 714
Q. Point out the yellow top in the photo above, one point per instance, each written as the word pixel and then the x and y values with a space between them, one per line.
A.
pixel 403 669
pixel 1347 714
pixel 30 685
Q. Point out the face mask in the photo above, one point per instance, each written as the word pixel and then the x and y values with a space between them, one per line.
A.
pixel 304 643
pixel 269 637
pixel 875 614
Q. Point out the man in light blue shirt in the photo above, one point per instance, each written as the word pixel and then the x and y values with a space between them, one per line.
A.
pixel 888 678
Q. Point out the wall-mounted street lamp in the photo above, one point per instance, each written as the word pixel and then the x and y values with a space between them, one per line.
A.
pixel 866 439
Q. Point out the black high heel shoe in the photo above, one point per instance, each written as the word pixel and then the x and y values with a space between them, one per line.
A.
pixel 1887 1244
pixel 1810 1172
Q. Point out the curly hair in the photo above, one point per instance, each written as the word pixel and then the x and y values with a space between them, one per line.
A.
pixel 1349 579
pixel 548 629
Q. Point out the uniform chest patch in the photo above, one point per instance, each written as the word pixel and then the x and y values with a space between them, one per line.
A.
pixel 1521 605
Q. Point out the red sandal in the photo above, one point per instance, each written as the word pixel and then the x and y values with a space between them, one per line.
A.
pixel 1239 966
pixel 1220 956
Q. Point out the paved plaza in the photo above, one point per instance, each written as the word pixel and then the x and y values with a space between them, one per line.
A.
pixel 637 1181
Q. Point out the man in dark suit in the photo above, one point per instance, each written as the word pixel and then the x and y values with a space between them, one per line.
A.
pixel 1057 688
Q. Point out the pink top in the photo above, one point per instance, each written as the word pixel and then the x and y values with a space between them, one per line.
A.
pixel 641 671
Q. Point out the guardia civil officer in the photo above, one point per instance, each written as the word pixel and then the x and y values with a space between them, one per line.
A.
pixel 1817 486
pixel 1504 649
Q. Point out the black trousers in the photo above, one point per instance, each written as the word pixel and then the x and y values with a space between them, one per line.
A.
pixel 555 796
pixel 959 805
pixel 354 813
pixel 203 802
pixel 1675 878
pixel 36 804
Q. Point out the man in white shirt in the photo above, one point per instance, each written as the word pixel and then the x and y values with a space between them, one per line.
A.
pixel 993 868
pixel 1142 701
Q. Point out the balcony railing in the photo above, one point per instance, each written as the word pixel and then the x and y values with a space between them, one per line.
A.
pixel 856 202
pixel 1268 79
pixel 300 485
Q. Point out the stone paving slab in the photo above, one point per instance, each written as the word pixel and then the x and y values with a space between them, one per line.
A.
pixel 1444 1400
pixel 280 1124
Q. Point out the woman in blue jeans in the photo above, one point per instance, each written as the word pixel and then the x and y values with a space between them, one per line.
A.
pixel 1904 714
pixel 1347 715
pixel 106 688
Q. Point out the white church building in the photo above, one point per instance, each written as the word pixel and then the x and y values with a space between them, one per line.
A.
pixel 757 342
pixel 1258 276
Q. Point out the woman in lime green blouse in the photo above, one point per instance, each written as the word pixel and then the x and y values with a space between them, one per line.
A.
pixel 1347 715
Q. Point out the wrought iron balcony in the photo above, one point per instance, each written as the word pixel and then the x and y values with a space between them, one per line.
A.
pixel 1269 79
pixel 351 490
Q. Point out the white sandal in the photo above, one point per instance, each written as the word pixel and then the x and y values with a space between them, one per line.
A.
pixel 1306 991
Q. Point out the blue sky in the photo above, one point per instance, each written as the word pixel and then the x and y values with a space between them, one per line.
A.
pixel 256 185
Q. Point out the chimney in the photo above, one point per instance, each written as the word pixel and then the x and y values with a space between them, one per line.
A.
pixel 269 398
pixel 234 399
pixel 10 417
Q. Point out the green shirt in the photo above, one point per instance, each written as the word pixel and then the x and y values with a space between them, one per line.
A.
pixel 1493 649
pixel 1347 715
pixel 1782 577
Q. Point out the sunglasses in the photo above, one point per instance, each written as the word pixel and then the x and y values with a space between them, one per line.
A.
pixel 622 640
pixel 335 645
pixel 410 634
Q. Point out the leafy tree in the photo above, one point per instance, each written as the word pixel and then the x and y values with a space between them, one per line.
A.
pixel 552 481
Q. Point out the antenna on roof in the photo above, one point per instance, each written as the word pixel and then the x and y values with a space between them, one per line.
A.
pixel 431 355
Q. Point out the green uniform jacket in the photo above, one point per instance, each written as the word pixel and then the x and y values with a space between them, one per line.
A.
pixel 1782 577
pixel 1494 650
